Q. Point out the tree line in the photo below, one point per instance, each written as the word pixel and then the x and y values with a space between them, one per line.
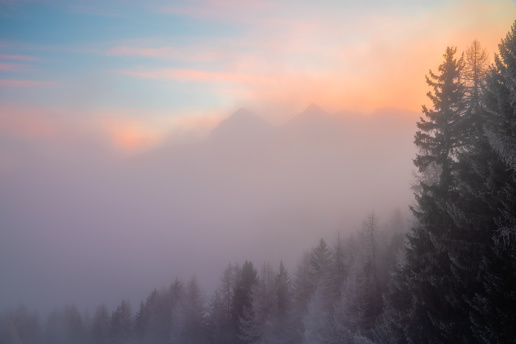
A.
pixel 451 278
pixel 335 292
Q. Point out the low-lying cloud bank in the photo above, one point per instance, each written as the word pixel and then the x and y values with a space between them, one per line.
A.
pixel 79 226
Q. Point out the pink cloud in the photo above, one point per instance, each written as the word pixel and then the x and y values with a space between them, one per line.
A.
pixel 9 67
pixel 190 53
pixel 129 130
pixel 136 51
pixel 28 122
pixel 25 83
pixel 295 59
pixel 188 75
pixel 19 57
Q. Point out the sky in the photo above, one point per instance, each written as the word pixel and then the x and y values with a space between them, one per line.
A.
pixel 136 72
pixel 112 182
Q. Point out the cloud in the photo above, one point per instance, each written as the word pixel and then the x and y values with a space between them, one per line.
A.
pixel 128 135
pixel 19 57
pixel 299 56
pixel 25 83
pixel 129 130
pixel 9 67
pixel 28 122
pixel 186 75
pixel 143 52
pixel 188 53
pixel 217 9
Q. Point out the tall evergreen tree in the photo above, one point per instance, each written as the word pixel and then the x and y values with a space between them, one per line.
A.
pixel 440 133
pixel 194 330
pixel 319 262
pixel 242 300
pixel 121 324
pixel 220 318
pixel 99 331
pixel 432 315
pixel 476 67
pixel 302 291
pixel 283 290
pixel 259 322
pixel 487 210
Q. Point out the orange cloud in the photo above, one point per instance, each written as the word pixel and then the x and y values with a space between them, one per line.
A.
pixel 133 130
pixel 345 60
pixel 127 129
pixel 128 135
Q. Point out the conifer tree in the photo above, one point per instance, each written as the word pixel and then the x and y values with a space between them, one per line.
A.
pixel 220 319
pixel 259 320
pixel 99 332
pixel 476 67
pixel 192 315
pixel 440 133
pixel 121 323
pixel 283 290
pixel 432 315
pixel 319 260
pixel 242 299
pixel 487 210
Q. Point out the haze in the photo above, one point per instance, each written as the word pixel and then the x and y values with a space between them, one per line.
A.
pixel 140 143
pixel 83 227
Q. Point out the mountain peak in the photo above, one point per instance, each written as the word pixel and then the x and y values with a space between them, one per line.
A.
pixel 242 112
pixel 239 125
pixel 314 110
pixel 312 114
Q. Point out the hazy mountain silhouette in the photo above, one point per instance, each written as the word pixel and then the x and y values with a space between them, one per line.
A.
pixel 311 114
pixel 313 126
pixel 248 191
pixel 242 125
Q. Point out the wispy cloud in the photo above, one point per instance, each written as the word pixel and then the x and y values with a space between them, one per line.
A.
pixel 9 67
pixel 103 8
pixel 19 57
pixel 126 129
pixel 217 9
pixel 186 75
pixel 188 53
pixel 25 83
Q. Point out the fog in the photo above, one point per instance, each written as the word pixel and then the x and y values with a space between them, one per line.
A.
pixel 80 225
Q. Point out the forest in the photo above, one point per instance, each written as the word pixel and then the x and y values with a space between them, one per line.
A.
pixel 448 276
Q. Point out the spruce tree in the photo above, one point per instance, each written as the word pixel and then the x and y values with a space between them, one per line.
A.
pixel 242 298
pixel 487 210
pixel 432 313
